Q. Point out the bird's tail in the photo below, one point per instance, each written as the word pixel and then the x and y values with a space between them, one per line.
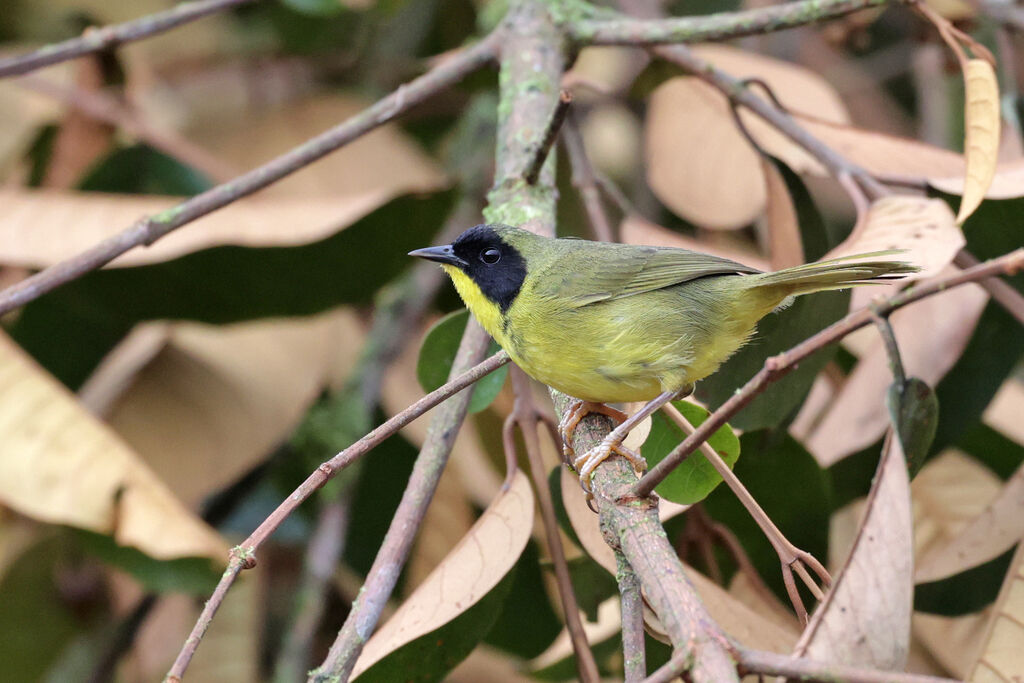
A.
pixel 837 273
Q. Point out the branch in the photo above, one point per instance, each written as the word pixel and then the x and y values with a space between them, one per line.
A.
pixel 243 556
pixel 150 229
pixel 380 582
pixel 780 365
pixel 97 39
pixel 633 654
pixel 714 27
pixel 585 182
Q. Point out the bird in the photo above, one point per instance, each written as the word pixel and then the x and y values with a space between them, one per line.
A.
pixel 611 323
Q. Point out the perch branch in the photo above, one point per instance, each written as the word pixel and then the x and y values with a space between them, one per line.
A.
pixel 97 39
pixel 713 27
pixel 149 229
pixel 633 653
pixel 387 565
pixel 780 365
pixel 243 556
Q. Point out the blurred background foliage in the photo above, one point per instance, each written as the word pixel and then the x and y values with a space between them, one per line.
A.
pixel 229 366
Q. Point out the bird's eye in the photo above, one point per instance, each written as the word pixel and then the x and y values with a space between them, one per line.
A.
pixel 490 256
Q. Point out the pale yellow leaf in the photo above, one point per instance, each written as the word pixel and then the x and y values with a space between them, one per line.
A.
pixel 1001 657
pixel 60 465
pixel 998 528
pixel 981 142
pixel 481 559
pixel 954 10
pixel 449 518
pixel 214 401
pixel 699 164
pixel 930 343
pixel 865 618
pixel 922 228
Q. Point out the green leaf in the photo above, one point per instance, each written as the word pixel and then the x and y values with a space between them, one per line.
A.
pixel 915 412
pixel 791 488
pixel 315 8
pixel 527 624
pixel 195 575
pixel 438 353
pixel 965 593
pixel 140 169
pixel 591 583
pixel 430 657
pixel 776 333
pixel 695 477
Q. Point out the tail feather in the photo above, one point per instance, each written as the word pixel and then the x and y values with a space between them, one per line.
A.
pixel 837 273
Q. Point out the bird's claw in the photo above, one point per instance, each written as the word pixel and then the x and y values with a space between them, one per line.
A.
pixel 576 412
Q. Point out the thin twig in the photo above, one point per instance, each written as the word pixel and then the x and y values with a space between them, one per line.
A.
pixel 394 551
pixel 892 349
pixel 633 652
pixel 528 418
pixel 713 27
pixel 97 39
pixel 243 556
pixel 550 135
pixel 584 181
pixel 150 229
pixel 780 365
pixel 1000 290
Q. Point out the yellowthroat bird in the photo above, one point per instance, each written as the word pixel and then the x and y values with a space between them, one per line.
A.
pixel 609 322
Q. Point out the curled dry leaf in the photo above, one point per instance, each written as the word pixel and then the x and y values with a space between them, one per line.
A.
pixel 865 617
pixel 981 143
pixel 481 559
pixel 1001 657
pixel 213 401
pixel 699 164
pixel 738 619
pixel 857 416
pixel 997 529
pixel 922 228
pixel 60 465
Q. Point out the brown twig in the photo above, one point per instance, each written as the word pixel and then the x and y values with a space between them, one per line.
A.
pixel 540 155
pixel 97 39
pixel 584 181
pixel 780 365
pixel 527 417
pixel 387 565
pixel 633 652
pixel 1000 290
pixel 148 230
pixel 243 556
pixel 790 556
pixel 713 27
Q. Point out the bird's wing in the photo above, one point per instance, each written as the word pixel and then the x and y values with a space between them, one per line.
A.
pixel 602 271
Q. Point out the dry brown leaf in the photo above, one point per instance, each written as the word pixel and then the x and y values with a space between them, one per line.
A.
pixel 60 465
pixel 22 112
pixel 449 518
pixel 857 416
pixel 738 619
pixel 865 618
pixel 1001 657
pixel 923 228
pixel 481 559
pixel 215 400
pixel 485 663
pixel 1004 410
pixel 892 156
pixel 954 10
pixel 784 243
pixel 383 159
pixel 997 529
pixel 698 162
pixel 952 641
pixel 41 227
pixel 981 141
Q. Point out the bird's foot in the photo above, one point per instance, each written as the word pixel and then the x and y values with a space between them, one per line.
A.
pixel 588 462
pixel 576 412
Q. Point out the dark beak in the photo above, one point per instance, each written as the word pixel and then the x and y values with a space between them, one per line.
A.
pixel 443 254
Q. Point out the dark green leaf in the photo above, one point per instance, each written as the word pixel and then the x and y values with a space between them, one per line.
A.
pixel 914 410
pixel 438 353
pixel 965 593
pixel 695 477
pixel 315 8
pixel 140 169
pixel 195 575
pixel 430 657
pixel 527 624
pixel 592 584
pixel 793 490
